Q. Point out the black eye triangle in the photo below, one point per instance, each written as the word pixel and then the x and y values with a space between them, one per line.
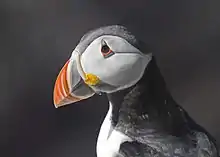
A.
pixel 103 43
pixel 105 50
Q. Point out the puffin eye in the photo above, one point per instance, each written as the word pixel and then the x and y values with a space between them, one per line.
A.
pixel 105 50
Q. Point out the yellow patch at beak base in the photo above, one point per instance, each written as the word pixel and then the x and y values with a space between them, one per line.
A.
pixel 91 79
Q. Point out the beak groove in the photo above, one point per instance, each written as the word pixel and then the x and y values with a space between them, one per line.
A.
pixel 72 84
pixel 62 94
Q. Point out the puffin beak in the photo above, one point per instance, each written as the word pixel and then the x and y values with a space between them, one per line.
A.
pixel 69 86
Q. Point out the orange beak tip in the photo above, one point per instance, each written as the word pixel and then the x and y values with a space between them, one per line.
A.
pixel 62 102
pixel 56 105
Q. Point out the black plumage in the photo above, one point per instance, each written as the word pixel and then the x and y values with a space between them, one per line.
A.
pixel 148 114
pixel 151 122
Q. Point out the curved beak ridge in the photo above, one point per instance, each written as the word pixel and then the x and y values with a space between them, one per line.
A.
pixel 62 91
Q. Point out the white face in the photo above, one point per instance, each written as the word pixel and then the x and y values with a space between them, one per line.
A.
pixel 122 68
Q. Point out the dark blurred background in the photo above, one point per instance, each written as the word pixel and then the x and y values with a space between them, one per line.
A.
pixel 37 37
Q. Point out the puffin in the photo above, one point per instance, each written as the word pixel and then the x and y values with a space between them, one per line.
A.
pixel 143 119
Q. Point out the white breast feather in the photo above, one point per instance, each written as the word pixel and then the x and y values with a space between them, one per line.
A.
pixel 109 145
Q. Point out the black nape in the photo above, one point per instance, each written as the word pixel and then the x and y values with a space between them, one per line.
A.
pixel 148 103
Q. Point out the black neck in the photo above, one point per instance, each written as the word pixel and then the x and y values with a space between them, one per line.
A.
pixel 150 102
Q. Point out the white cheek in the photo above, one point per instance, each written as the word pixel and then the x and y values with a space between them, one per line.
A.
pixel 117 70
pixel 125 69
pixel 91 59
pixel 118 44
pixel 121 69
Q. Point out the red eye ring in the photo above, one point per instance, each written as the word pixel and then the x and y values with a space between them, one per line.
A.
pixel 105 50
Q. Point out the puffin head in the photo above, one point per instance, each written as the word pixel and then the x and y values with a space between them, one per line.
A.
pixel 107 59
